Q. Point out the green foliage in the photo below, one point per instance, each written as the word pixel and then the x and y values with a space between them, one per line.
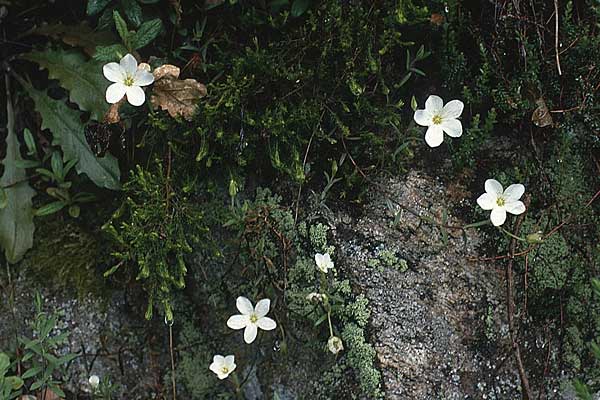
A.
pixel 10 385
pixel 16 215
pixel 68 133
pixel 83 79
pixel 133 40
pixel 154 229
pixel 40 356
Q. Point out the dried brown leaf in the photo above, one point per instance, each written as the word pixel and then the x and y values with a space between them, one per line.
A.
pixel 541 116
pixel 178 97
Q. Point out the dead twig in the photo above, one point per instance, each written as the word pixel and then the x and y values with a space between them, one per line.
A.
pixel 556 38
pixel 510 307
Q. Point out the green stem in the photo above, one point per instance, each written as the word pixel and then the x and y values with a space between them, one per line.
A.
pixel 511 235
pixel 329 320
pixel 477 224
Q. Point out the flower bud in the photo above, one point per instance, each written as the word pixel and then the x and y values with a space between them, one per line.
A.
pixel 335 344
pixel 535 238
pixel 94 381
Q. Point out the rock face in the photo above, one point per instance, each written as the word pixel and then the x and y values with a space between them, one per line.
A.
pixel 437 318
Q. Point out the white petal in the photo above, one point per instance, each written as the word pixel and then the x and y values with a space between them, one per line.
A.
pixel 434 136
pixel 250 333
pixel 266 324
pixel 487 201
pixel 262 308
pixel 453 109
pixel 494 187
pixel 135 95
pixel 115 92
pixel 244 305
pixel 229 361
pixel 142 78
pixel 514 191
pixel 129 64
pixel 218 359
pixel 452 127
pixel 238 321
pixel 515 207
pixel 319 258
pixel 498 216
pixel 113 72
pixel 434 104
pixel 423 117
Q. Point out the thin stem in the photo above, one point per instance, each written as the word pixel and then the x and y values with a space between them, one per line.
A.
pixel 511 235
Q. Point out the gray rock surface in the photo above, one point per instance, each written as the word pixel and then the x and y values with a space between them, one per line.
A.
pixel 437 318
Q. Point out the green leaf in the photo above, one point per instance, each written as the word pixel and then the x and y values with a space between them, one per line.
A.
pixel 95 6
pixel 57 165
pixel 83 79
pixel 4 363
pixel 299 7
pixel 582 391
pixel 16 219
pixel 31 372
pixel 81 35
pixel 27 164
pixel 3 198
pixel 146 34
pixel 133 11
pixel 74 211
pixel 121 26
pixel 106 54
pixel 68 133
pixel 15 382
pixel 50 208
pixel 29 142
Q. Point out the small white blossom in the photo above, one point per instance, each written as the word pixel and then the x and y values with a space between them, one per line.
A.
pixel 324 262
pixel 128 79
pixel 501 201
pixel 315 297
pixel 94 381
pixel 440 118
pixel 251 318
pixel 222 366
pixel 335 344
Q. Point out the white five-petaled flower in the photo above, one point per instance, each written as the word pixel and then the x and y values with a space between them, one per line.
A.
pixel 251 318
pixel 324 262
pixel 128 79
pixel 222 366
pixel 501 201
pixel 94 381
pixel 440 118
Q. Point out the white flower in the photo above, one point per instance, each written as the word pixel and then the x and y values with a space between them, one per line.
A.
pixel 94 381
pixel 335 344
pixel 315 297
pixel 324 262
pixel 501 201
pixel 440 118
pixel 128 79
pixel 222 366
pixel 251 318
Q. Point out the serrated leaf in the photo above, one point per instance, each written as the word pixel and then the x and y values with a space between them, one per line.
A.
pixel 107 54
pixel 16 219
pixel 146 34
pixel 68 133
pixel 299 7
pixel 83 79
pixel 81 35
pixel 122 29
pixel 133 11
pixel 95 6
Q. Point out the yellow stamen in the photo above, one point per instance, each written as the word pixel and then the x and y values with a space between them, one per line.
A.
pixel 224 370
pixel 253 318
pixel 500 201
pixel 437 119
pixel 128 81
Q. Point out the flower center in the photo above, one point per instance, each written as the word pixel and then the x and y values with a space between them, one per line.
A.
pixel 253 318
pixel 437 119
pixel 224 370
pixel 500 201
pixel 128 81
